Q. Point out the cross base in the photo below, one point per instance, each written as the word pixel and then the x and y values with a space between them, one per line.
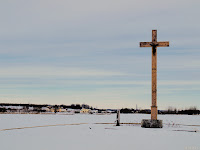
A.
pixel 148 123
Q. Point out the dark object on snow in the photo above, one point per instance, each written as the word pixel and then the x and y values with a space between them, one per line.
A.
pixel 118 118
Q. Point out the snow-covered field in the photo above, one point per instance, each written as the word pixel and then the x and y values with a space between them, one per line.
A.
pixel 178 133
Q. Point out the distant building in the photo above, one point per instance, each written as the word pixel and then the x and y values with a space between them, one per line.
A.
pixel 46 109
pixel 14 109
pixel 30 109
pixel 62 110
pixel 85 111
pixel 110 111
pixel 69 110
pixel 94 111
pixel 52 110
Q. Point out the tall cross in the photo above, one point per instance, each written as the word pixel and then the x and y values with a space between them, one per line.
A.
pixel 154 44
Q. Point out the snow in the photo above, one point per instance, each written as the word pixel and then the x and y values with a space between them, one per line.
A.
pixel 12 107
pixel 175 135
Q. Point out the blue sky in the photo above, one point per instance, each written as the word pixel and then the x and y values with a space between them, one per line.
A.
pixel 63 52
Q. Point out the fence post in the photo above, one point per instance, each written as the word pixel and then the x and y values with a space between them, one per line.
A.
pixel 118 117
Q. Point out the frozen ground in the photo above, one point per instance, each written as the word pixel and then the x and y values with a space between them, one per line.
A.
pixel 67 135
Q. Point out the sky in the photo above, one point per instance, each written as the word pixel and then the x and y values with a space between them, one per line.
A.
pixel 87 52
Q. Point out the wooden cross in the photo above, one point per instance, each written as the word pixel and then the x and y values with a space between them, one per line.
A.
pixel 154 44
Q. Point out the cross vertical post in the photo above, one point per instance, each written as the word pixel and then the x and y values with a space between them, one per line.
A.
pixel 154 77
pixel 153 123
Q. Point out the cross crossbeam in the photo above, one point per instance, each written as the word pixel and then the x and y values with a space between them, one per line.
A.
pixel 154 44
pixel 157 44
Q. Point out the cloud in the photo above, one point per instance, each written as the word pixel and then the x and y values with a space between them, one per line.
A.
pixel 47 71
pixel 177 82
pixel 64 45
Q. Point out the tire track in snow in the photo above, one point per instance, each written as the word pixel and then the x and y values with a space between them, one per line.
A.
pixel 41 126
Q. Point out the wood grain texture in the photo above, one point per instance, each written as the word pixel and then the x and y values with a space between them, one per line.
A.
pixel 145 44
pixel 163 44
pixel 154 44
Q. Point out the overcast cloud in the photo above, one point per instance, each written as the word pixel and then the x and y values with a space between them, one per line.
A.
pixel 88 52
